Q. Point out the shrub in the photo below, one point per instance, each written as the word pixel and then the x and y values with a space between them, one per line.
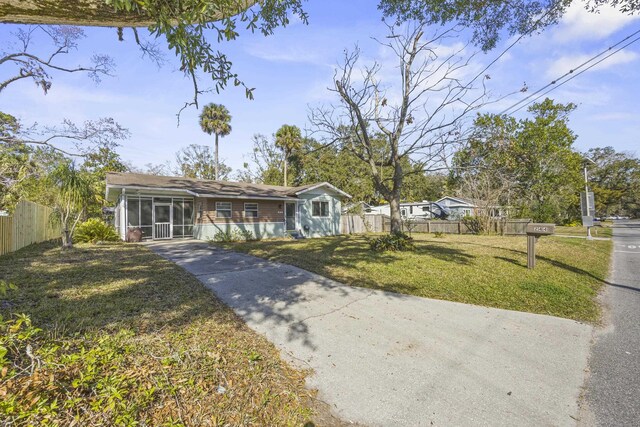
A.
pixel 94 230
pixel 246 235
pixel 473 224
pixel 438 234
pixel 236 235
pixel 223 237
pixel 392 242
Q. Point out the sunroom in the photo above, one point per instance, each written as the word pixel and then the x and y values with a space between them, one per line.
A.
pixel 156 216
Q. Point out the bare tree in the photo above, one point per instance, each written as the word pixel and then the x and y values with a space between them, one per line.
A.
pixel 20 61
pixel 490 191
pixel 420 118
pixel 68 138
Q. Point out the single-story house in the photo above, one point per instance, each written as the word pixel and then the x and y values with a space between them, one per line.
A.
pixel 457 207
pixel 356 208
pixel 165 207
pixel 408 210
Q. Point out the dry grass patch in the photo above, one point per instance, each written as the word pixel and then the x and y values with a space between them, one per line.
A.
pixel 598 231
pixel 483 270
pixel 116 335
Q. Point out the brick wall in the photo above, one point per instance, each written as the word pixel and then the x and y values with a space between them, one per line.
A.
pixel 268 211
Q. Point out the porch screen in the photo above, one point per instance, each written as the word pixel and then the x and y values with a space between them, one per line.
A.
pixel 140 214
pixel 182 218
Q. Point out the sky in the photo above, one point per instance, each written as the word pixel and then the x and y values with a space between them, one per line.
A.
pixel 292 69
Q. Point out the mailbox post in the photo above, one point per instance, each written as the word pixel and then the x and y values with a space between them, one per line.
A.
pixel 534 231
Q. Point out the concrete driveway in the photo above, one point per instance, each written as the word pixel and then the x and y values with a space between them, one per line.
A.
pixel 380 358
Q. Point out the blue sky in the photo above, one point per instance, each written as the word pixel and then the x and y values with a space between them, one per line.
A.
pixel 292 69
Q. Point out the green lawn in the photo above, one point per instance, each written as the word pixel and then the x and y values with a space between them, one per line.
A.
pixel 483 270
pixel 599 231
pixel 120 336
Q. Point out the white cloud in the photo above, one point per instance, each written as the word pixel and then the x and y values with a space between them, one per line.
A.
pixel 565 63
pixel 579 24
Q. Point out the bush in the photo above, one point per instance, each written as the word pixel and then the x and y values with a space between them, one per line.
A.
pixel 246 235
pixel 438 234
pixel 95 230
pixel 392 242
pixel 473 224
pixel 223 237
pixel 236 235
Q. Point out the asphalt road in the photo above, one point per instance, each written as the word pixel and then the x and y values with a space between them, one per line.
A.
pixel 613 389
pixel 384 359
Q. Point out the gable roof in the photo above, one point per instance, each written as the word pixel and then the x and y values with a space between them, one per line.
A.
pixel 209 188
pixel 461 201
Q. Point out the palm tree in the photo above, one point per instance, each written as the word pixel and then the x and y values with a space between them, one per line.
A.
pixel 215 119
pixel 289 139
pixel 72 192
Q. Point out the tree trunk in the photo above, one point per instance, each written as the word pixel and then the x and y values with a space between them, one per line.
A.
pixel 67 240
pixel 217 169
pixel 80 12
pixel 285 171
pixel 396 219
pixel 394 202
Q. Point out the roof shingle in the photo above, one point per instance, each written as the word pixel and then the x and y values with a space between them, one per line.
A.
pixel 202 187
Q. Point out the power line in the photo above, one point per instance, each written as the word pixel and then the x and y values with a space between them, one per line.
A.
pixel 554 83
pixel 576 75
pixel 531 29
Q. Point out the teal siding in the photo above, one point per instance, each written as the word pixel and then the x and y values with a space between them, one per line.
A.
pixel 319 226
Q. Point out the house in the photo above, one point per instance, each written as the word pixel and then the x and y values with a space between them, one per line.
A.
pixel 409 210
pixel 165 207
pixel 451 208
pixel 457 207
pixel 356 208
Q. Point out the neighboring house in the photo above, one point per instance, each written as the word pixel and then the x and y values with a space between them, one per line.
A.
pixel 452 208
pixel 457 207
pixel 166 207
pixel 356 208
pixel 412 210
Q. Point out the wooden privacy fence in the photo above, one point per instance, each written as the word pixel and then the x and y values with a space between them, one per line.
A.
pixel 354 224
pixel 30 223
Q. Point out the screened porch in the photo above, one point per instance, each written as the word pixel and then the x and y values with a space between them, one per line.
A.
pixel 160 217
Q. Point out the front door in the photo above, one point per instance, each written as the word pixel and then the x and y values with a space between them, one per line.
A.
pixel 162 221
pixel 290 216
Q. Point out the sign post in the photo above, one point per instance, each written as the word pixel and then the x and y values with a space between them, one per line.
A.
pixel 588 208
pixel 534 231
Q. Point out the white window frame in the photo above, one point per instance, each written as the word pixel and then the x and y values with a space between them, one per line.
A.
pixel 256 210
pixel 218 210
pixel 320 202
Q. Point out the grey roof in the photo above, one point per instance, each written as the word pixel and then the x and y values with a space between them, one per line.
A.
pixel 205 187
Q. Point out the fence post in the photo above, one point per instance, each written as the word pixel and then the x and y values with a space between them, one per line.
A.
pixel 459 227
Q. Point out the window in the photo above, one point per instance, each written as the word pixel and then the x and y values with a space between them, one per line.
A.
pixel 403 213
pixel 411 209
pixel 223 209
pixel 251 210
pixel 320 209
